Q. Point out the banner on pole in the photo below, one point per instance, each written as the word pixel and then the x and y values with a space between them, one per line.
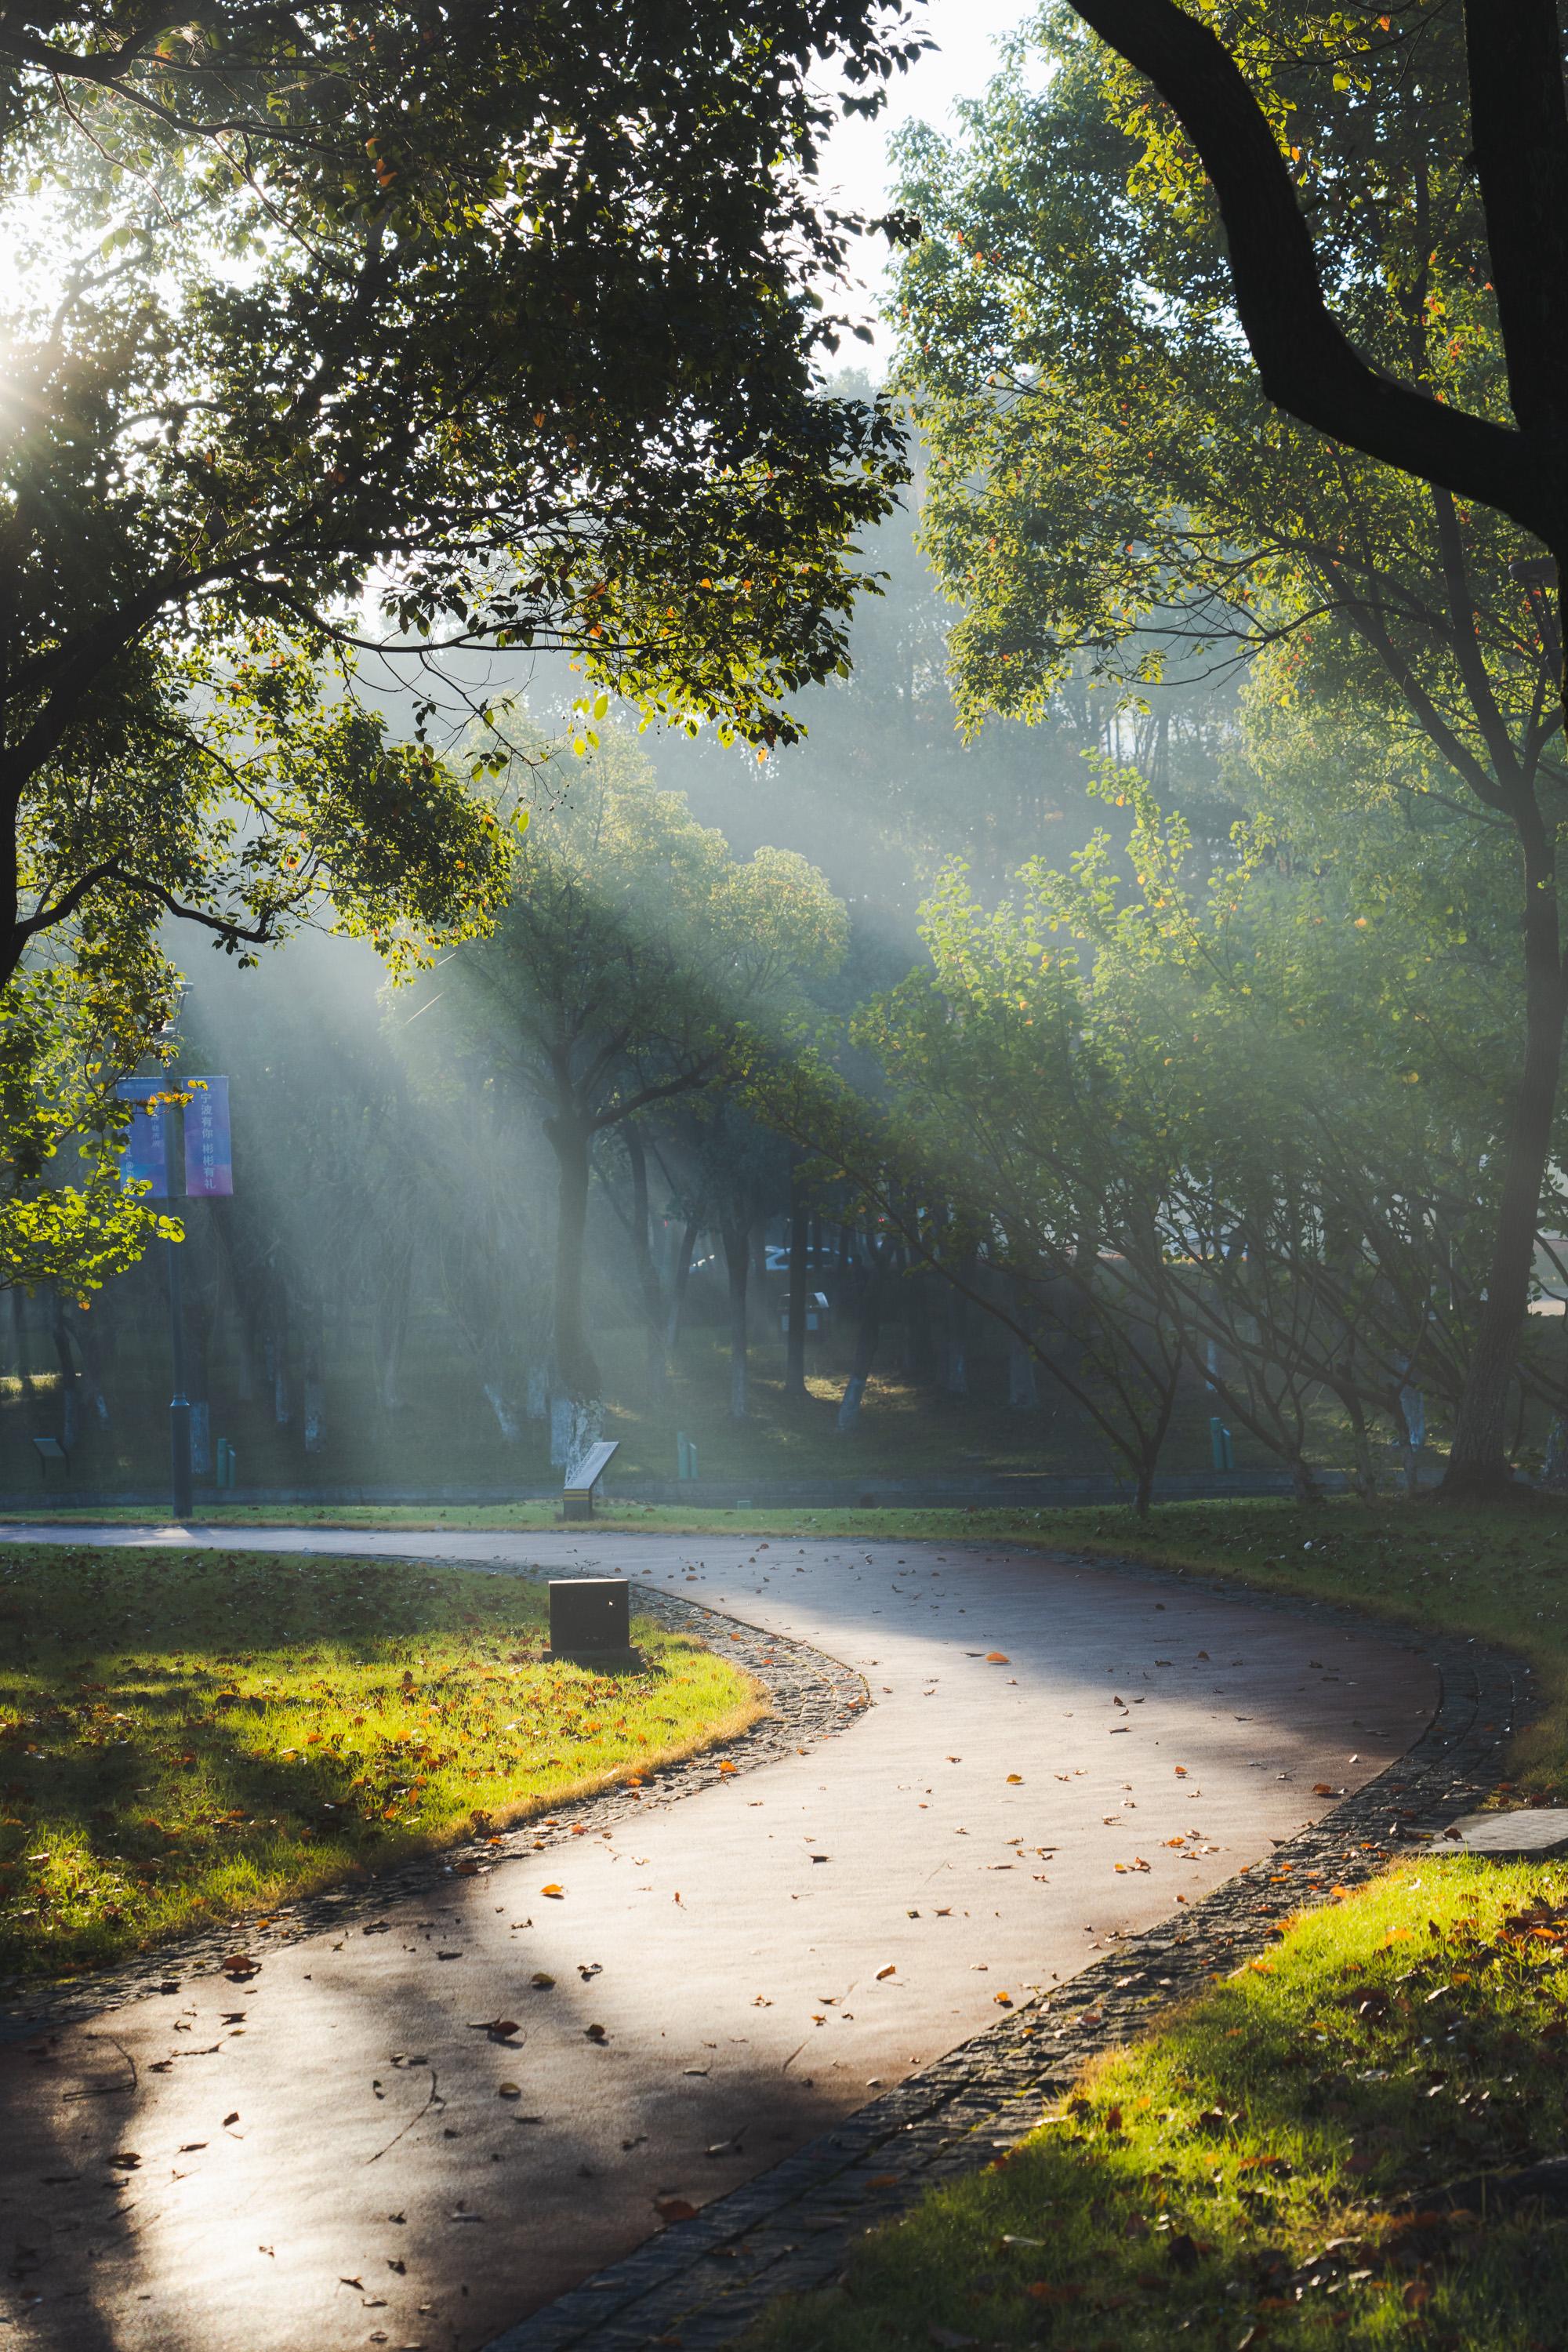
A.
pixel 145 1154
pixel 209 1152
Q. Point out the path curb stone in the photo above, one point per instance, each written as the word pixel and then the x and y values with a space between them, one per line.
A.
pixel 699 2284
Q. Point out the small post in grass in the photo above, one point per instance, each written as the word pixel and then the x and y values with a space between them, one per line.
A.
pixel 590 1619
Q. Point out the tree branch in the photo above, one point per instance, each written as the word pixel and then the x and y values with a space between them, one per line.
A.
pixel 1306 364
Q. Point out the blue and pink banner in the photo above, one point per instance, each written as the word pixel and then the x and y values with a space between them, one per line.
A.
pixel 146 1152
pixel 210 1151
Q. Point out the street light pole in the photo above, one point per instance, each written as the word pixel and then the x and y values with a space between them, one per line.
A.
pixel 179 1403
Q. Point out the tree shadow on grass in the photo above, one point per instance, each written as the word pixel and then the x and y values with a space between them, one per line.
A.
pixel 149 1794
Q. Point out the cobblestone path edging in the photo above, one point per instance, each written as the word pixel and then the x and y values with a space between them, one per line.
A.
pixel 699 2284
pixel 810 1697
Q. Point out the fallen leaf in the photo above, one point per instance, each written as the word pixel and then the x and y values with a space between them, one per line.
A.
pixel 233 2118
pixel 1322 1788
pixel 997 1658
pixel 890 1971
pixel 541 1979
pixel 674 2208
pixel 595 2034
pixel 1014 1780
pixel 554 1893
pixel 509 2091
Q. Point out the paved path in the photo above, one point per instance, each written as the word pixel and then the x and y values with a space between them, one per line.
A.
pixel 326 2158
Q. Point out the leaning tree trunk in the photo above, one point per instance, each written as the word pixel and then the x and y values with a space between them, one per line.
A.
pixel 575 1365
pixel 1477 1462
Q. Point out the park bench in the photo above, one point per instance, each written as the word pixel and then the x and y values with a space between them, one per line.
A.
pixel 577 1494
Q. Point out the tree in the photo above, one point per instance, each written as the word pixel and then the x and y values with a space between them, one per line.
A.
pixel 1078 316
pixel 67 1218
pixel 341 340
pixel 634 957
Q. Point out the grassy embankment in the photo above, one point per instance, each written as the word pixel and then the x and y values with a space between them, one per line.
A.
pixel 191 1737
pixel 1261 2169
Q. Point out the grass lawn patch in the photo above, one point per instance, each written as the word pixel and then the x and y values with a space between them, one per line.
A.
pixel 1263 2170
pixel 190 1736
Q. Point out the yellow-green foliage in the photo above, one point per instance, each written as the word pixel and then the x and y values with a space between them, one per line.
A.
pixel 187 1736
pixel 1186 2192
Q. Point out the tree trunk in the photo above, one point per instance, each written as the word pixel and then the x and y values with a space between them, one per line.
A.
pixel 506 1418
pixel 647 1272
pixel 277 1355
pixel 794 1357
pixel 575 1365
pixel 955 1352
pixel 314 1387
pixel 692 1235
pixel 738 1266
pixel 70 1418
pixel 89 1355
pixel 866 1336
pixel 1477 1463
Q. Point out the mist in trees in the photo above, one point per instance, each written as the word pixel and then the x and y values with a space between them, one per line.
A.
pixel 1071 1018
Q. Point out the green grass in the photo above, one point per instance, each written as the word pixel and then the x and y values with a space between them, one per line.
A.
pixel 186 1737
pixel 1259 2172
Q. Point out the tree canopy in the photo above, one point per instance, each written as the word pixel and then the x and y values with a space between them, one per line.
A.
pixel 1131 450
pixel 338 339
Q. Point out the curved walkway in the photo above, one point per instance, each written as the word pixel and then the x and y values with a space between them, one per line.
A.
pixel 333 2156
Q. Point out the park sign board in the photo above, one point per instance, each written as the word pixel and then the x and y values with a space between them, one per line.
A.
pixel 209 1154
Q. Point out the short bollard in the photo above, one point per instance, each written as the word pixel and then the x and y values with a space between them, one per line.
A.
pixel 590 1617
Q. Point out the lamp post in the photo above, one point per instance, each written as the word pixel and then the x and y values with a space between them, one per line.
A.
pixel 179 1403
